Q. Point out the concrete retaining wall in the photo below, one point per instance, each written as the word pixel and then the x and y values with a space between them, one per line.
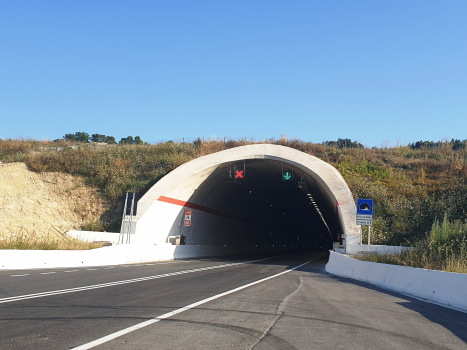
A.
pixel 93 236
pixel 445 288
pixel 353 249
pixel 117 255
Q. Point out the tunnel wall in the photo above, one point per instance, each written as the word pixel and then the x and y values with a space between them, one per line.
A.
pixel 211 228
pixel 161 209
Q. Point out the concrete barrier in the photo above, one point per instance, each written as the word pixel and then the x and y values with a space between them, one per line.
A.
pixel 117 255
pixel 93 236
pixel 114 255
pixel 444 288
pixel 353 249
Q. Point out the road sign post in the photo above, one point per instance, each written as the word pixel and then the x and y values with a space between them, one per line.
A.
pixel 365 216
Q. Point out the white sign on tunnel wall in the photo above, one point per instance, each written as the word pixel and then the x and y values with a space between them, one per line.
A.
pixel 187 217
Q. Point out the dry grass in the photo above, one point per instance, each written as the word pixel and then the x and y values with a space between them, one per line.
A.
pixel 115 168
pixel 14 150
pixel 411 187
pixel 444 249
pixel 21 241
pixel 416 258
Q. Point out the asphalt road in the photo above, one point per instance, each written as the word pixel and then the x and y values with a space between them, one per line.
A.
pixel 145 307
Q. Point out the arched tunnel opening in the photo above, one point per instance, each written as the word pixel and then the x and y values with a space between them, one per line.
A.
pixel 259 202
pixel 256 197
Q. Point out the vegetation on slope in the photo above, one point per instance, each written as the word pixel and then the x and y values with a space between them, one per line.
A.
pixel 412 185
pixel 444 248
pixel 27 242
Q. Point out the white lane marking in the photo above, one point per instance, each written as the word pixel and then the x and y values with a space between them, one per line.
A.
pixel 110 284
pixel 175 312
pixel 165 263
pixel 113 267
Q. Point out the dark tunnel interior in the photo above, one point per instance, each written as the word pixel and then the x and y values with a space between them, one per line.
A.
pixel 261 202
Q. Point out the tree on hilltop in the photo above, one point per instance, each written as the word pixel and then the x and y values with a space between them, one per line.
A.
pixel 126 140
pixel 103 138
pixel 97 138
pixel 344 143
pixel 131 141
pixel 77 136
pixel 110 140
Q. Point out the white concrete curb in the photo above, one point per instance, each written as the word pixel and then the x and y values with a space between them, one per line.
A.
pixel 116 255
pixel 93 236
pixel 444 288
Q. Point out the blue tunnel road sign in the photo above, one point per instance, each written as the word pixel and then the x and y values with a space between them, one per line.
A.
pixel 365 207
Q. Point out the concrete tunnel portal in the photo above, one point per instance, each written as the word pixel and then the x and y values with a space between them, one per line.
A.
pixel 243 197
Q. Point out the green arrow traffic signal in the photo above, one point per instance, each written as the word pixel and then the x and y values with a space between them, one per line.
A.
pixel 287 175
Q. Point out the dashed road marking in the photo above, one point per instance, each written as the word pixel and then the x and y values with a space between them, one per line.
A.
pixel 47 273
pixel 111 284
pixel 24 274
pixel 71 271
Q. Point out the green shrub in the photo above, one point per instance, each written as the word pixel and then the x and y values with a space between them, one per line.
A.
pixel 444 248
pixel 411 187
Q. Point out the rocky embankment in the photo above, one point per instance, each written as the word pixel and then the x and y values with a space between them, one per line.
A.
pixel 45 204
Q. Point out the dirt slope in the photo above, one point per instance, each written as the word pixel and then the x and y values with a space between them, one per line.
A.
pixel 41 204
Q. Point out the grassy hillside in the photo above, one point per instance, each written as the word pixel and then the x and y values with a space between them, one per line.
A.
pixel 443 248
pixel 412 187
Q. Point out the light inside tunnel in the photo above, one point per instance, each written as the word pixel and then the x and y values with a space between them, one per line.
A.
pixel 263 209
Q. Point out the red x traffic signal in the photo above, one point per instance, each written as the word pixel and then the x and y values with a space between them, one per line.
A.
pixel 239 174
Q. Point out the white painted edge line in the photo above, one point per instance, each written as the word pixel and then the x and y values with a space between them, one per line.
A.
pixel 175 312
pixel 110 284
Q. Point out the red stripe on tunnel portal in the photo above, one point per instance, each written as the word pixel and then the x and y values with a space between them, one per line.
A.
pixel 197 207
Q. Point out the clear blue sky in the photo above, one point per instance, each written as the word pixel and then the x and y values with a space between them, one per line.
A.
pixel 317 70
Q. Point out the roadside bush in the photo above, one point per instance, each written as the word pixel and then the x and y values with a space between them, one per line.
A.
pixel 444 248
pixel 411 186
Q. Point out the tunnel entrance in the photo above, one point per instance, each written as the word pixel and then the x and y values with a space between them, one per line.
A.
pixel 250 196
pixel 259 202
